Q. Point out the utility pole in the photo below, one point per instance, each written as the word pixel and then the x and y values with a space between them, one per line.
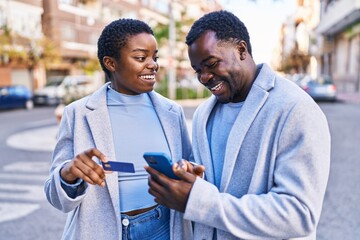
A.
pixel 171 58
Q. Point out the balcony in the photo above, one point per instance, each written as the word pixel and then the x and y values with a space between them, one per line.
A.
pixel 338 15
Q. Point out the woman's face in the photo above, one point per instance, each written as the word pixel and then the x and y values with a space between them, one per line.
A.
pixel 134 73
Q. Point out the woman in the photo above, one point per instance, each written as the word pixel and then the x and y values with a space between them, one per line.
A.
pixel 118 122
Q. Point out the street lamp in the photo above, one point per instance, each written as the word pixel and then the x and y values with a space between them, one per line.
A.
pixel 171 59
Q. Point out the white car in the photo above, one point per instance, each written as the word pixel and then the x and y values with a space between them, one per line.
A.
pixel 60 89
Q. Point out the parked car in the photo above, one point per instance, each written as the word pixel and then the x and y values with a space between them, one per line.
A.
pixel 16 96
pixel 320 89
pixel 64 88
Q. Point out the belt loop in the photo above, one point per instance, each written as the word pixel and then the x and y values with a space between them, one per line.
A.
pixel 158 209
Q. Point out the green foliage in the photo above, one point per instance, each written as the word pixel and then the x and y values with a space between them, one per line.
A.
pixel 161 33
pixel 182 93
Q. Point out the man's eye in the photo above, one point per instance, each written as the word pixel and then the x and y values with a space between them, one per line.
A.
pixel 156 59
pixel 211 65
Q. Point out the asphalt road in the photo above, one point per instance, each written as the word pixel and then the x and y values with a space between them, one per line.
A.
pixel 26 139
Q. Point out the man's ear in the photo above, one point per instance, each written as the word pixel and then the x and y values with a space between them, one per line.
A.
pixel 242 48
pixel 109 63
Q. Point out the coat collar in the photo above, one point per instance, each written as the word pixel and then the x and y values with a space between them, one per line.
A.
pixel 256 98
pixel 169 121
pixel 100 126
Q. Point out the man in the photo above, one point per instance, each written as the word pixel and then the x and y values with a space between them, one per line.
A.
pixel 264 142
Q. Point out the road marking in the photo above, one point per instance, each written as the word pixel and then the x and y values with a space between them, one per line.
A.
pixel 32 167
pixel 12 211
pixel 25 177
pixel 41 139
pixel 18 200
pixel 22 192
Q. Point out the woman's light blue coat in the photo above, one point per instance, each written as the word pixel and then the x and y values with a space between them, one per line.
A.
pixel 85 124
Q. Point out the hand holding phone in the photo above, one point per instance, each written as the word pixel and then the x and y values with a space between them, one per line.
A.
pixel 161 162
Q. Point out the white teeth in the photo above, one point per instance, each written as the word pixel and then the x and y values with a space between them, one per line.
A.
pixel 148 76
pixel 217 87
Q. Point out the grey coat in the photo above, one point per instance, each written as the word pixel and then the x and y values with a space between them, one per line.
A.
pixel 275 171
pixel 95 212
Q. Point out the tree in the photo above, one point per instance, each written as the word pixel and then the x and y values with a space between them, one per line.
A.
pixel 295 62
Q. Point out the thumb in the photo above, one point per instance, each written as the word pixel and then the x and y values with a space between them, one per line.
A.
pixel 199 170
pixel 180 171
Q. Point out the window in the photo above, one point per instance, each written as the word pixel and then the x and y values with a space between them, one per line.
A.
pixel 68 32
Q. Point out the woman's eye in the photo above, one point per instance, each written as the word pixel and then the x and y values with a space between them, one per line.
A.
pixel 156 59
pixel 141 59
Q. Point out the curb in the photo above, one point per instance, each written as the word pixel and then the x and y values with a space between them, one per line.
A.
pixel 349 97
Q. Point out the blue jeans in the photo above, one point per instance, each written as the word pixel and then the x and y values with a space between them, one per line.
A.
pixel 153 224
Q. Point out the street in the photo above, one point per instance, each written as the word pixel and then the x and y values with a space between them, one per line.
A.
pixel 26 214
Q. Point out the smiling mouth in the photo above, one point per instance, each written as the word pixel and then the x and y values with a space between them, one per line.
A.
pixel 148 77
pixel 216 87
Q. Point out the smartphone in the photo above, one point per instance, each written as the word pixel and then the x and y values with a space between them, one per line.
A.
pixel 161 162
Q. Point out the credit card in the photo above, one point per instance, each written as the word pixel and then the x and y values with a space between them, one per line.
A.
pixel 119 166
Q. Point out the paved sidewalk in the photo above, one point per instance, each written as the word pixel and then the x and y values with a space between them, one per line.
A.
pixel 353 97
pixel 44 138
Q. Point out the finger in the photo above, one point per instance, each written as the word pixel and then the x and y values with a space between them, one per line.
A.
pixel 96 168
pixel 108 171
pixel 91 176
pixel 182 174
pixel 155 186
pixel 154 190
pixel 86 158
pixel 81 175
pixel 89 169
pixel 157 176
pixel 93 152
pixel 184 164
pixel 199 170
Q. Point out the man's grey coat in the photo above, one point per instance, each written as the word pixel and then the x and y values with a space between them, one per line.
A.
pixel 95 212
pixel 278 151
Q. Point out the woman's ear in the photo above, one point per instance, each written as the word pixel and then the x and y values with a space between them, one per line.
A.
pixel 109 63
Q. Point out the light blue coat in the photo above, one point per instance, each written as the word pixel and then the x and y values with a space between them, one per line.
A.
pixel 279 148
pixel 85 124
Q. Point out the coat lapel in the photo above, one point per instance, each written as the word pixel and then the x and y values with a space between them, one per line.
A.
pixel 203 143
pixel 100 127
pixel 253 103
pixel 169 122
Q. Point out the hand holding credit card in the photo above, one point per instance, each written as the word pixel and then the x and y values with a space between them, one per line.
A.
pixel 118 166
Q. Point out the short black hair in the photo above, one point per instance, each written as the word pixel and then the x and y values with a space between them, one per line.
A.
pixel 226 26
pixel 115 36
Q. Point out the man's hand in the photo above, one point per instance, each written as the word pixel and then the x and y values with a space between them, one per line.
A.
pixel 173 193
pixel 192 167
pixel 82 166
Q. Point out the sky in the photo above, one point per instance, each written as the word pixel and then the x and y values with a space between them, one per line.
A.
pixel 263 20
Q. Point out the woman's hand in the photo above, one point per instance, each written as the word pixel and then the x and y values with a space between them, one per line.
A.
pixel 82 166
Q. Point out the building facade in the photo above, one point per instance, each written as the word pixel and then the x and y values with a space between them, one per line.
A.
pixel 339 29
pixel 70 29
pixel 20 33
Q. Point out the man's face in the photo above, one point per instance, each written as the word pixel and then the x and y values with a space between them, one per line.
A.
pixel 135 72
pixel 219 67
